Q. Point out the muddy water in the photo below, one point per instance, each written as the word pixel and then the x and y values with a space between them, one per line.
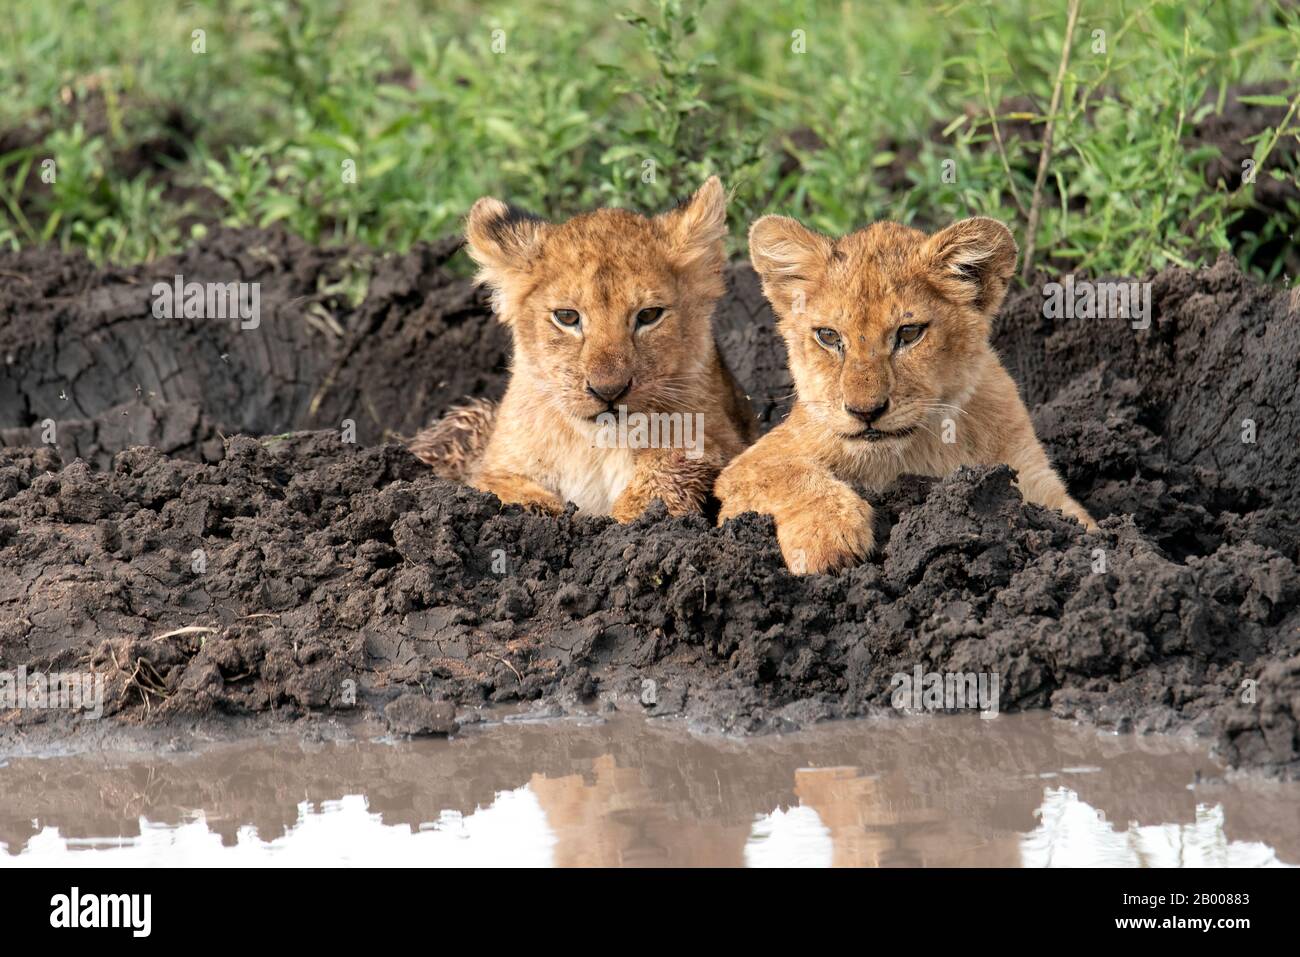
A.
pixel 1020 790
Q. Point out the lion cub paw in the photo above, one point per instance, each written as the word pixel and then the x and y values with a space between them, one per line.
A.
pixel 627 509
pixel 523 492
pixel 542 506
pixel 828 536
pixel 1080 514
pixel 681 483
pixel 536 504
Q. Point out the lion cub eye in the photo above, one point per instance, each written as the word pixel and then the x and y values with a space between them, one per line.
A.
pixel 566 317
pixel 908 334
pixel 649 316
pixel 828 338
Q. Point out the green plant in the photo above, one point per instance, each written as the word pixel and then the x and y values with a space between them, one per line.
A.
pixel 381 122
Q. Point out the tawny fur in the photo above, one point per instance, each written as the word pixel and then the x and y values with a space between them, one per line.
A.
pixel 608 265
pixel 948 384
pixel 454 445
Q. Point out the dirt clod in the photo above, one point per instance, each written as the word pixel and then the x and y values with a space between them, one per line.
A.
pixel 417 715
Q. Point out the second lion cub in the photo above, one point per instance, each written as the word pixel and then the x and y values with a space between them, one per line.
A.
pixel 887 331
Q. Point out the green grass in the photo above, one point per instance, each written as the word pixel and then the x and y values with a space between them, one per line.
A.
pixel 559 107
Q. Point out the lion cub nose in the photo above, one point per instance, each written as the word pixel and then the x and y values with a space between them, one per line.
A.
pixel 868 416
pixel 609 391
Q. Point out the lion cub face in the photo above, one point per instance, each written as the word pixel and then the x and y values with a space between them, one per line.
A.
pixel 882 325
pixel 610 308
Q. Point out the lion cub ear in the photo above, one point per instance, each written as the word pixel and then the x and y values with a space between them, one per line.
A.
pixel 972 262
pixel 788 257
pixel 697 229
pixel 503 240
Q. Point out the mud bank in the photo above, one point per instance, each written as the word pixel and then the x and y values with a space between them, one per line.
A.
pixel 209 573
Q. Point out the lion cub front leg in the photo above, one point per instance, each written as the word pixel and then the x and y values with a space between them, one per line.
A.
pixel 1046 488
pixel 682 483
pixel 515 489
pixel 833 529
pixel 821 523
pixel 1039 482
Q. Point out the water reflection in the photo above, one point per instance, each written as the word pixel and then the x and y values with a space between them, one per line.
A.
pixel 1018 791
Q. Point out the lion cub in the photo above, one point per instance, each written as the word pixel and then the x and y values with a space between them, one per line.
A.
pixel 887 331
pixel 618 394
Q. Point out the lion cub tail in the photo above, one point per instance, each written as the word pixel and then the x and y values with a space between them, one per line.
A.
pixel 454 445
